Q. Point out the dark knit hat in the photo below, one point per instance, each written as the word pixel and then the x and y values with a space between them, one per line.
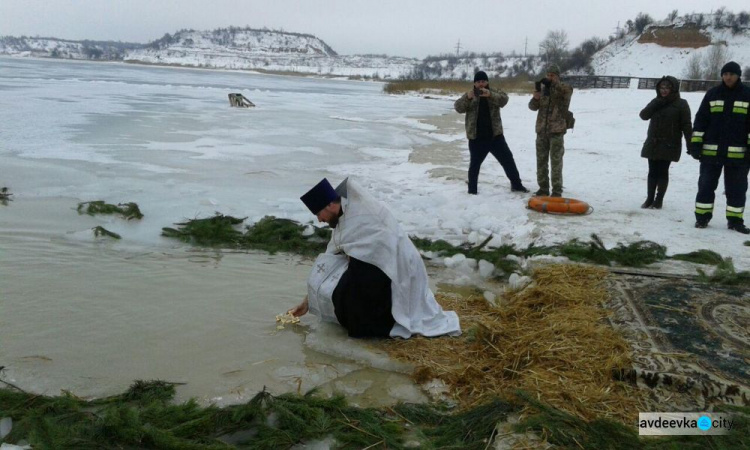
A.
pixel 731 67
pixel 480 76
pixel 553 68
pixel 319 197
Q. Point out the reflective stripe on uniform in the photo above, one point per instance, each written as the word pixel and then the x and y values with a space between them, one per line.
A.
pixel 733 211
pixel 740 107
pixel 698 136
pixel 717 106
pixel 710 149
pixel 736 152
pixel 704 208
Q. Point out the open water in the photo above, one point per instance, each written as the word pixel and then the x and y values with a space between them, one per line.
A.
pixel 90 315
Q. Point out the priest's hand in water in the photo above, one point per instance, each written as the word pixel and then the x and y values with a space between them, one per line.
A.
pixel 300 310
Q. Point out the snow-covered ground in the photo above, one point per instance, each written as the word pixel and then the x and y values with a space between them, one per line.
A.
pixel 602 166
pixel 166 139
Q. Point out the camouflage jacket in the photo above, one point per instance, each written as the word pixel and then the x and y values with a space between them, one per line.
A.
pixel 497 100
pixel 552 108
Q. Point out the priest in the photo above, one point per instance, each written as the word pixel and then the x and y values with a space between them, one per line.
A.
pixel 371 279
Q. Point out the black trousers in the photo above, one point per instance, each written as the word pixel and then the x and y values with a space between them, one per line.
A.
pixel 658 169
pixel 478 150
pixel 362 301
pixel 735 187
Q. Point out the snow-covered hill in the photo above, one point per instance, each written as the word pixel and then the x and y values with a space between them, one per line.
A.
pixel 667 49
pixel 463 67
pixel 663 48
pixel 45 47
pixel 225 48
pixel 246 48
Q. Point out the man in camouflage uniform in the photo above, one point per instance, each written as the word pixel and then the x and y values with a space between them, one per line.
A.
pixel 551 99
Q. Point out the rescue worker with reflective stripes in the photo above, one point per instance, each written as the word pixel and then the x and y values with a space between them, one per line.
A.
pixel 720 140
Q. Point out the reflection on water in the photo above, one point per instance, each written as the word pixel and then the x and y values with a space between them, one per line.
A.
pixel 91 315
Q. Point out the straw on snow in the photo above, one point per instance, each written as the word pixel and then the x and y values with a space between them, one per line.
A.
pixel 552 339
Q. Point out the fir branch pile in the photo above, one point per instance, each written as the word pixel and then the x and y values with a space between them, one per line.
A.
pixel 101 231
pixel 145 417
pixel 637 254
pixel 126 210
pixel 269 234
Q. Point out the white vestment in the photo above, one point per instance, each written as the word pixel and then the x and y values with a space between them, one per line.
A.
pixel 369 232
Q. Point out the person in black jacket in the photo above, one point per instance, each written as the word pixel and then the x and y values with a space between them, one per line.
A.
pixel 721 136
pixel 484 130
pixel 669 117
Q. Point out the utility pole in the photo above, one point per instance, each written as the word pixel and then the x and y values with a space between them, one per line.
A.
pixel 525 45
pixel 458 47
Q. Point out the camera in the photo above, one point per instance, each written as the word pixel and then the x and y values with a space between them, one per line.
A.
pixel 477 92
pixel 537 86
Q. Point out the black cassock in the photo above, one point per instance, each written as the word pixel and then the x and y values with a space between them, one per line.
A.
pixel 362 300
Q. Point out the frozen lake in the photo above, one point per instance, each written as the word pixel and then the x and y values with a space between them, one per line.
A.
pixel 91 315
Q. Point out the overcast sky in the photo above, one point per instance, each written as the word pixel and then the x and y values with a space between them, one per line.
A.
pixel 395 27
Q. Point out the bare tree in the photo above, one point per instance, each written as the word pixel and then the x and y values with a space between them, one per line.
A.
pixel 672 16
pixel 719 16
pixel 694 68
pixel 708 66
pixel 554 47
pixel 642 20
pixel 716 57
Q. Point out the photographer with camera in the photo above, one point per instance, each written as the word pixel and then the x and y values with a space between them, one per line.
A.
pixel 484 130
pixel 551 99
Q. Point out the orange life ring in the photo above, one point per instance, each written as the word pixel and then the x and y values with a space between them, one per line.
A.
pixel 558 205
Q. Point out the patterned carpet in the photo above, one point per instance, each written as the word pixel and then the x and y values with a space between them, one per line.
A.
pixel 691 341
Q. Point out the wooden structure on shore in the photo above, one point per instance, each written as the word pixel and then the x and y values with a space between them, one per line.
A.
pixel 239 101
pixel 597 81
pixel 685 85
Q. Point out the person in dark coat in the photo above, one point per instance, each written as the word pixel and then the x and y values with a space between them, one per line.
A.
pixel 669 117
pixel 721 137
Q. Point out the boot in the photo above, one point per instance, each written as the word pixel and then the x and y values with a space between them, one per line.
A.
pixel 662 185
pixel 651 192
pixel 738 226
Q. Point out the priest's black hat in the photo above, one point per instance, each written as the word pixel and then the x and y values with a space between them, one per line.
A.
pixel 319 197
